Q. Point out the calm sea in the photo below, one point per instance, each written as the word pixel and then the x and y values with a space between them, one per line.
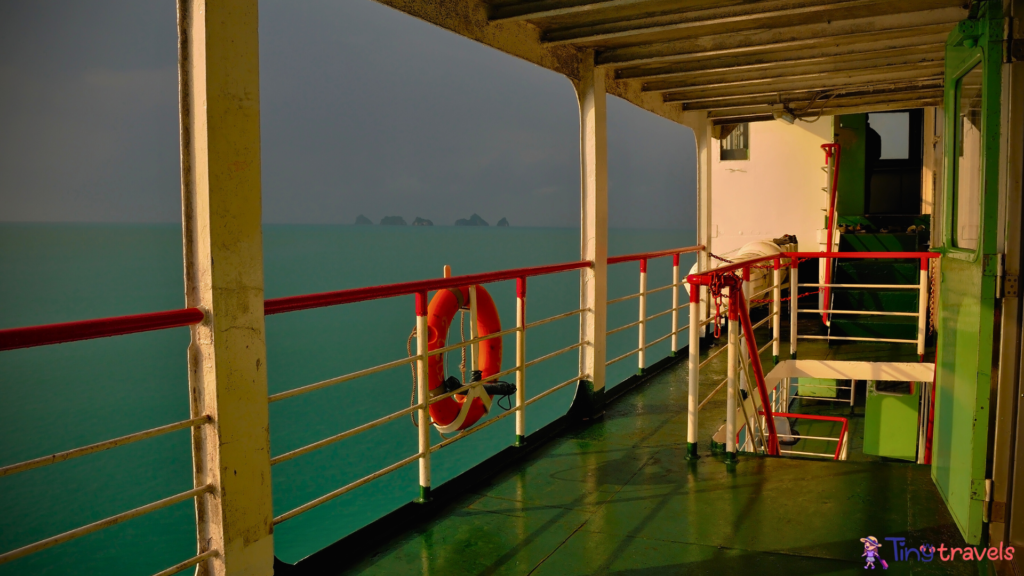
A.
pixel 60 397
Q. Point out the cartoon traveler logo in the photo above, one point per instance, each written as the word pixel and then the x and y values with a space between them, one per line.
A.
pixel 871 547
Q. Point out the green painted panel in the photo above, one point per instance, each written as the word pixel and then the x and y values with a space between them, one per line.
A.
pixel 814 387
pixel 967 282
pixel 850 133
pixel 891 424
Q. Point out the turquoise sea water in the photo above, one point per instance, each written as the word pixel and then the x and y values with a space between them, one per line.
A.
pixel 60 397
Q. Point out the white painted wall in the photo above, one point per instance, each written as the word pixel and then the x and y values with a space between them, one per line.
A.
pixel 776 192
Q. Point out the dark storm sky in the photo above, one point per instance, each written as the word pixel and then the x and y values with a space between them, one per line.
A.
pixel 364 111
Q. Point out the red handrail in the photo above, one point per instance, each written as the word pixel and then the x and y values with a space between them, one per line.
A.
pixel 30 336
pixel 842 433
pixel 894 255
pixel 650 255
pixel 310 301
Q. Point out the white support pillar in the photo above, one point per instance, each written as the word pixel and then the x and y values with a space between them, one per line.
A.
pixel 732 383
pixel 693 397
pixel 423 394
pixel 705 227
pixel 776 308
pixel 642 327
pixel 521 361
pixel 794 305
pixel 922 309
pixel 219 99
pixel 675 304
pixel 590 90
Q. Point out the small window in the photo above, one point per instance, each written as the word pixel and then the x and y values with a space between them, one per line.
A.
pixel 968 182
pixel 736 142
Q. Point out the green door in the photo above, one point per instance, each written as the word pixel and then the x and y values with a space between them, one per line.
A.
pixel 967 292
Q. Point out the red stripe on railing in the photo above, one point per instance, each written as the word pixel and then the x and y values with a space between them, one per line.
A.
pixel 649 255
pixel 310 301
pixel 842 433
pixel 29 336
pixel 808 255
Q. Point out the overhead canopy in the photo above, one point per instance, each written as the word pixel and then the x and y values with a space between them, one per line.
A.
pixel 734 59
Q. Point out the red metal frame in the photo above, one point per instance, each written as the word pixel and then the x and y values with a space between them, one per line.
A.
pixel 842 433
pixel 30 336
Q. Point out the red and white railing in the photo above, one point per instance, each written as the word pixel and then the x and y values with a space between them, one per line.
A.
pixel 34 336
pixel 727 283
pixel 642 296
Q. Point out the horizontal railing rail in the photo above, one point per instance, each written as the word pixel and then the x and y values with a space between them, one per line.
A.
pixel 32 336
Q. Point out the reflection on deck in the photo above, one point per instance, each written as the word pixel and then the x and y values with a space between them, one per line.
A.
pixel 616 496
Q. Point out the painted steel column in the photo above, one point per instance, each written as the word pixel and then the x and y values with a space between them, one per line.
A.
pixel 922 309
pixel 794 304
pixel 219 107
pixel 423 394
pixel 694 371
pixel 777 308
pixel 642 327
pixel 732 358
pixel 590 90
pixel 521 361
pixel 705 228
pixel 675 303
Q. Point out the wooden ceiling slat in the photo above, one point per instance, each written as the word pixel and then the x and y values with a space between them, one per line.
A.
pixel 848 31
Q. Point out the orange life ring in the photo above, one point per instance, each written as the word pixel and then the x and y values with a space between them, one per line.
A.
pixel 460 411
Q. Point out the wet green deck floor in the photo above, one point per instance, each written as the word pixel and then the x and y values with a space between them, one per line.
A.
pixel 618 497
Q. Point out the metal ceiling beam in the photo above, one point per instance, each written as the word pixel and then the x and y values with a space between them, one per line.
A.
pixel 780 96
pixel 689 19
pixel 551 8
pixel 929 44
pixel 829 33
pixel 891 74
pixel 892 63
pixel 834 111
pixel 761 103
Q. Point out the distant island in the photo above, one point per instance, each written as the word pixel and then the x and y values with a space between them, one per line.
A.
pixel 422 222
pixel 503 222
pixel 393 221
pixel 363 221
pixel 474 220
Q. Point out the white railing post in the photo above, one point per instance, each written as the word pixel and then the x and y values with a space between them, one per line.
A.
pixel 642 327
pixel 694 373
pixel 777 308
pixel 731 381
pixel 521 361
pixel 475 347
pixel 675 303
pixel 922 309
pixel 423 395
pixel 794 304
